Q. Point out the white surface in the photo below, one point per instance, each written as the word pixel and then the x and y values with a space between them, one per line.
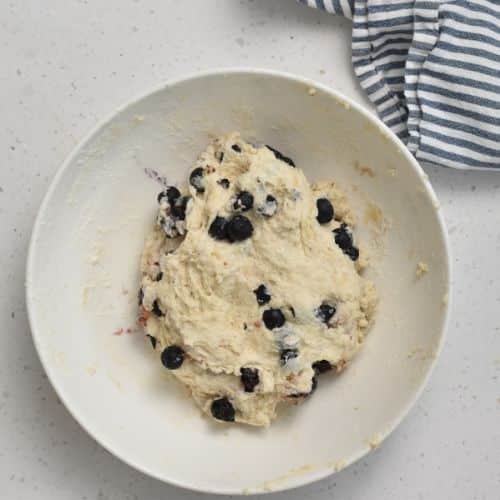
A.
pixel 82 259
pixel 63 70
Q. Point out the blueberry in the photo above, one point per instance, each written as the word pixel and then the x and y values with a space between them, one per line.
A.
pixel 178 207
pixel 171 193
pixel 280 156
pixel 172 357
pixel 156 309
pixel 224 183
pixel 249 378
pixel 236 148
pixel 270 206
pixel 152 340
pixel 196 179
pixel 220 156
pixel 218 228
pixel 325 312
pixel 140 296
pixel 287 354
pixel 292 310
pixel 222 409
pixel 168 225
pixel 352 253
pixel 325 210
pixel 321 366
pixel 262 295
pixel 343 237
pixel 159 276
pixel 273 318
pixel 244 201
pixel 239 228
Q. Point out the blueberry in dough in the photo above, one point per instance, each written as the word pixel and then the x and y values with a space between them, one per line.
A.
pixel 152 340
pixel 222 409
pixel 239 228
pixel 220 156
pixel 224 183
pixel 249 378
pixel 159 276
pixel 236 148
pixel 196 179
pixel 321 366
pixel 280 156
pixel 352 253
pixel 287 354
pixel 178 207
pixel 140 296
pixel 156 309
pixel 262 295
pixel 325 312
pixel 171 193
pixel 168 226
pixel 218 228
pixel 343 239
pixel 172 357
pixel 325 210
pixel 243 201
pixel 270 206
pixel 273 318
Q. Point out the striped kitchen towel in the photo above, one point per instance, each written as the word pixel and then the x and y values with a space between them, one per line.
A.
pixel 432 70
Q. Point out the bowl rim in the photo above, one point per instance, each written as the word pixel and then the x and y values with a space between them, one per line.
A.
pixel 302 479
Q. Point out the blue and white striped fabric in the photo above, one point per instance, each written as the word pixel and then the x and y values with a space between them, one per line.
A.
pixel 432 70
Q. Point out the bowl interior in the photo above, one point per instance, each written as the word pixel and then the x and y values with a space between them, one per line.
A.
pixel 83 279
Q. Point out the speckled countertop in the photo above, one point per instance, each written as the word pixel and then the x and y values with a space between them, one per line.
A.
pixel 68 63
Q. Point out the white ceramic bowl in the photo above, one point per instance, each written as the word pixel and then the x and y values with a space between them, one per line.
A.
pixel 83 276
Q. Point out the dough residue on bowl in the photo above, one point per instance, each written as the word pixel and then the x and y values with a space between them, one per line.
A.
pixel 252 282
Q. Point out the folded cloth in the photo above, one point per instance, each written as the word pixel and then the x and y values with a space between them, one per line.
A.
pixel 432 70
